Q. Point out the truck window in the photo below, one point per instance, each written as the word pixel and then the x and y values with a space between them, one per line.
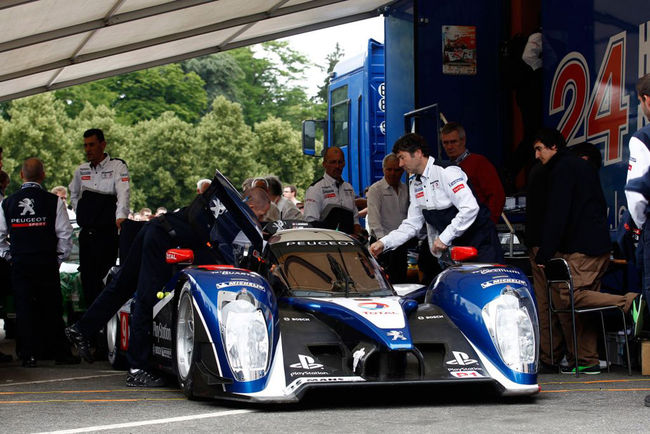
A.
pixel 340 116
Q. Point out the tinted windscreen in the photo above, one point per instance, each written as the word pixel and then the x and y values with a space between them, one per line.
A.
pixel 328 268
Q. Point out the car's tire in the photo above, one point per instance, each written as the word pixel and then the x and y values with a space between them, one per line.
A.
pixel 184 345
pixel 113 336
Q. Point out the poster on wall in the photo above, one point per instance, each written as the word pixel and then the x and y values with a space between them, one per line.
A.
pixel 459 50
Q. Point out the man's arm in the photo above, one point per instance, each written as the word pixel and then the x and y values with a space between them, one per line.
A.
pixel 409 228
pixel 4 243
pixel 454 183
pixel 75 187
pixel 63 230
pixel 313 200
pixel 558 206
pixel 123 192
pixel 638 166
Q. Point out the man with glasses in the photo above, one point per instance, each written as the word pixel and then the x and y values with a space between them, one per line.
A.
pixel 483 178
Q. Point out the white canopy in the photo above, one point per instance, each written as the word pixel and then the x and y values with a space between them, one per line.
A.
pixel 51 44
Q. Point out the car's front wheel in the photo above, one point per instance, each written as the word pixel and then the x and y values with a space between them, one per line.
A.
pixel 185 342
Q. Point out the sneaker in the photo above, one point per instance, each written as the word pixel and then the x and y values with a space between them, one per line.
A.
pixel 589 370
pixel 636 310
pixel 80 342
pixel 142 378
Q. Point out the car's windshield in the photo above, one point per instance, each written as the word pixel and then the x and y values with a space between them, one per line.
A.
pixel 328 268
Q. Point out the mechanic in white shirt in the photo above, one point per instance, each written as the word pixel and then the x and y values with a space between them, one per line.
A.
pixel 441 198
pixel 99 194
pixel 388 203
pixel 331 191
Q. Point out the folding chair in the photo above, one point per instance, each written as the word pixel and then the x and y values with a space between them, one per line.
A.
pixel 558 271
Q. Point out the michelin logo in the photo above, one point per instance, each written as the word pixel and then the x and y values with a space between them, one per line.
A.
pixel 502 281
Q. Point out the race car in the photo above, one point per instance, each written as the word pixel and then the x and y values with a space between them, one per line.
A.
pixel 311 307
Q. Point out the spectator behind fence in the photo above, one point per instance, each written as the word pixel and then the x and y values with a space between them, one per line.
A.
pixel 575 228
pixel 388 202
pixel 62 193
pixel 99 193
pixel 483 178
pixel 39 229
pixel 288 210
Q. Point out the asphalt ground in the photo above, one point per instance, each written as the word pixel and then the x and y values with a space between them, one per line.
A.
pixel 94 398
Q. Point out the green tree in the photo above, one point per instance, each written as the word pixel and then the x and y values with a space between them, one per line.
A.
pixel 37 128
pixel 142 95
pixel 163 162
pixel 281 149
pixel 226 143
pixel 220 72
pixel 332 59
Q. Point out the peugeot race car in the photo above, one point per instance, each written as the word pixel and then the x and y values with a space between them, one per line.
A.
pixel 311 307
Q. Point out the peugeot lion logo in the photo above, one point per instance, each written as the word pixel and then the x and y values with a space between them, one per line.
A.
pixel 217 208
pixel 27 205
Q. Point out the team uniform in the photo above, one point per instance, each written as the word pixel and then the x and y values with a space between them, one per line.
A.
pixel 637 191
pixel 325 192
pixel 441 198
pixel 37 223
pixel 99 195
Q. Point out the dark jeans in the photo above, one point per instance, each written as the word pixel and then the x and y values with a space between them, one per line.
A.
pixel 97 254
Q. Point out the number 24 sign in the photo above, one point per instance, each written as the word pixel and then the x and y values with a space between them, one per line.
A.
pixel 599 116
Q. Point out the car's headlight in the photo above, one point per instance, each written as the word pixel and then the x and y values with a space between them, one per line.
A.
pixel 246 340
pixel 513 330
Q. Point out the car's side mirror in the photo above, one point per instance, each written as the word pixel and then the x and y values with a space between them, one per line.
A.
pixel 311 130
pixel 459 253
pixel 180 256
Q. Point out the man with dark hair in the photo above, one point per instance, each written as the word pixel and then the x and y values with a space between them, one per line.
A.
pixel 289 191
pixel 439 196
pixel 483 177
pixel 288 210
pixel 575 228
pixel 40 232
pixel 99 194
pixel 330 200
pixel 637 189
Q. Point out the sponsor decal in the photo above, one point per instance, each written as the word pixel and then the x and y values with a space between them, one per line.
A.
pixel 632 160
pixel 396 335
pixel 495 270
pixel 306 362
pixel 299 382
pixel 233 273
pixel 27 205
pixel 124 331
pixel 356 356
pixel 466 374
pixel 296 319
pixel 239 283
pixel 319 243
pixel 458 188
pixel 426 317
pixel 330 195
pixel 461 359
pixel 162 352
pixel 436 184
pixel 125 179
pixel 106 175
pixel 372 305
pixel 455 181
pixel 217 208
pixel 162 332
pixel 419 194
pixel 85 178
pixel 502 281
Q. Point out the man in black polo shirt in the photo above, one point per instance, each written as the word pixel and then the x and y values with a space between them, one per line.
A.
pixel 37 223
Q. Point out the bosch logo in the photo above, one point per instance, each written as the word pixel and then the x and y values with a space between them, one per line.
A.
pixel 373 306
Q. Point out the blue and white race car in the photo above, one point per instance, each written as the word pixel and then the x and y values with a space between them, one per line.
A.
pixel 310 307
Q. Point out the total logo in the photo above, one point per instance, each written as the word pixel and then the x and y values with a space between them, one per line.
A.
pixel 461 359
pixel 373 306
pixel 306 362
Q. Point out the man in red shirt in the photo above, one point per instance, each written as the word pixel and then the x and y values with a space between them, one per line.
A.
pixel 483 177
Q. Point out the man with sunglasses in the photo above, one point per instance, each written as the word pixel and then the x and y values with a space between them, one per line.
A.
pixel 330 200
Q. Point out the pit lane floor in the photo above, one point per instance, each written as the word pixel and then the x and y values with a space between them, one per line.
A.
pixel 94 398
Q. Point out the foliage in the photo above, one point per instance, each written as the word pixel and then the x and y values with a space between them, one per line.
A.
pixel 282 154
pixel 220 72
pixel 37 129
pixel 332 59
